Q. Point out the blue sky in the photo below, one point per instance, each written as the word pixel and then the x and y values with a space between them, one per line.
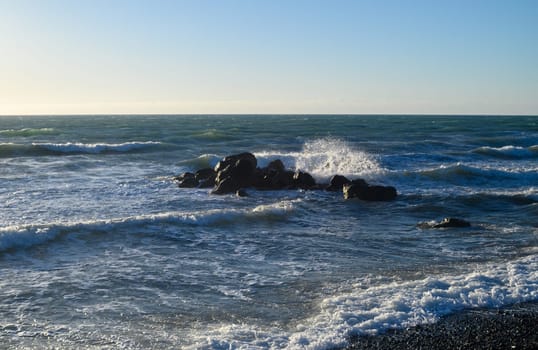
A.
pixel 278 56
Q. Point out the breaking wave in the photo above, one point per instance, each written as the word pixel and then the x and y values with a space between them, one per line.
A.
pixel 25 132
pixel 25 236
pixel 326 157
pixel 44 149
pixel 463 173
pixel 203 161
pixel 375 304
pixel 508 152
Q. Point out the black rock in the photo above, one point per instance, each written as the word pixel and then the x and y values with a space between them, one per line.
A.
pixel 235 172
pixel 452 222
pixel 239 171
pixel 359 182
pixel 368 192
pixel 205 173
pixel 303 180
pixel 227 185
pixel 183 176
pixel 186 180
pixel 229 160
pixel 276 165
pixel 337 182
pixel 206 177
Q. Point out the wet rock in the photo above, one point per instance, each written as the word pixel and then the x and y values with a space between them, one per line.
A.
pixel 206 177
pixel 235 172
pixel 337 182
pixel 273 177
pixel 362 190
pixel 230 160
pixel 303 180
pixel 452 222
pixel 278 180
pixel 276 165
pixel 186 180
pixel 227 185
pixel 205 173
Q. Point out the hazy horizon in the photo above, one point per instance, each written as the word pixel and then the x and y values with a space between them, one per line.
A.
pixel 268 57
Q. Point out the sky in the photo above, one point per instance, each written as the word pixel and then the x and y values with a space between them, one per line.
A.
pixel 268 57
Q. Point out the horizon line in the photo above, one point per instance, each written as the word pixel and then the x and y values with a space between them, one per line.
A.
pixel 270 114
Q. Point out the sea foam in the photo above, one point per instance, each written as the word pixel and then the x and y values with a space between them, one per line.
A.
pixel 325 157
pixel 376 304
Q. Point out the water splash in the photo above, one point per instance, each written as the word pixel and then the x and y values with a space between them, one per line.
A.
pixel 329 156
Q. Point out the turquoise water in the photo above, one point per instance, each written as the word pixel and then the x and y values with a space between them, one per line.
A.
pixel 100 249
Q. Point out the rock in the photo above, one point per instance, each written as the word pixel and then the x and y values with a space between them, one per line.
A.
pixel 235 172
pixel 206 177
pixel 227 185
pixel 452 222
pixel 229 160
pixel 273 177
pixel 205 173
pixel 207 183
pixel 303 180
pixel 186 180
pixel 183 176
pixel 359 182
pixel 366 192
pixel 276 165
pixel 337 182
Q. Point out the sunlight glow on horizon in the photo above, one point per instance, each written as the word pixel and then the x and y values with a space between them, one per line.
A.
pixel 268 57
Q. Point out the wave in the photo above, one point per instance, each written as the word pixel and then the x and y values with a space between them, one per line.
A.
pixel 25 236
pixel 44 149
pixel 375 304
pixel 404 304
pixel 462 173
pixel 27 132
pixel 95 148
pixel 212 135
pixel 201 162
pixel 325 157
pixel 508 152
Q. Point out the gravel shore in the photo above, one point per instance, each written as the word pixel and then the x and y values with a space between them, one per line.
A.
pixel 513 327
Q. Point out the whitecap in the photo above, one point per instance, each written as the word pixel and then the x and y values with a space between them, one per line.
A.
pixel 95 148
pixel 325 157
pixel 509 151
pixel 25 236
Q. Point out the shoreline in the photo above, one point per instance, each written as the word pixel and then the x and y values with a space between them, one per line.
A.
pixel 510 327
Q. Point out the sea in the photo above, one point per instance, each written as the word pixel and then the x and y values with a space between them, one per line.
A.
pixel 100 249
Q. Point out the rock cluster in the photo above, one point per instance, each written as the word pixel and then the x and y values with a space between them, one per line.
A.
pixel 236 172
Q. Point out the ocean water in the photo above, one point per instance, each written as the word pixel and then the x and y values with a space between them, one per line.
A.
pixel 99 248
